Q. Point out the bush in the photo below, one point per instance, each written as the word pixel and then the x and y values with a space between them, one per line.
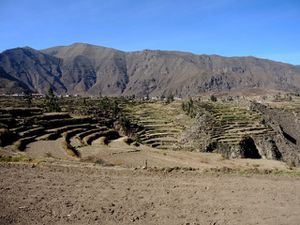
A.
pixel 189 108
pixel 170 98
pixel 125 122
pixel 213 98
pixel 13 158
pixel 28 98
pixel 109 107
pixel 51 102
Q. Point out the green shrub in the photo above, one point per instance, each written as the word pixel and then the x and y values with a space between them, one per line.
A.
pixel 189 108
pixel 28 98
pixel 12 158
pixel 109 107
pixel 213 98
pixel 51 102
pixel 170 98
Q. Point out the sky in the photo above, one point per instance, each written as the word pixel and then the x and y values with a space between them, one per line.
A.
pixel 262 28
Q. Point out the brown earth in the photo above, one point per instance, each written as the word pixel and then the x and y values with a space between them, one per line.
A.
pixel 66 192
pixel 44 149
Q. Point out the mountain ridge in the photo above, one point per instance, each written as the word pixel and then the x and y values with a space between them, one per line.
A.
pixel 87 69
pixel 160 50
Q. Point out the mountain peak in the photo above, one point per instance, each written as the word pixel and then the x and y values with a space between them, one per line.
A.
pixel 87 45
pixel 82 43
pixel 21 49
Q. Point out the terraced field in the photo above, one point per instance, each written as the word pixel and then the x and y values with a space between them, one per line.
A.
pixel 161 126
pixel 292 105
pixel 232 123
pixel 162 123
pixel 26 126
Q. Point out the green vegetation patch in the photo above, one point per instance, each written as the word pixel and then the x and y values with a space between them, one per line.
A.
pixel 13 159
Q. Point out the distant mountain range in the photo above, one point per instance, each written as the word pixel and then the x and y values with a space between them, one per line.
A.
pixel 92 70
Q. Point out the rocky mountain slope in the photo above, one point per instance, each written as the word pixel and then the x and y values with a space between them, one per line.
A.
pixel 91 70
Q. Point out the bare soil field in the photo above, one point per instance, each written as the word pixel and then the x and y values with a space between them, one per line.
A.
pixel 66 192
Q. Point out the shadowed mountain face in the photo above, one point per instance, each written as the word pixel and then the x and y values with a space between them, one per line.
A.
pixel 91 70
pixel 34 69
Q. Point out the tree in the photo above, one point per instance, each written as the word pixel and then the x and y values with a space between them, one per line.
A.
pixel 189 108
pixel 213 98
pixel 170 98
pixel 115 109
pixel 104 105
pixel 28 97
pixel 109 107
pixel 51 102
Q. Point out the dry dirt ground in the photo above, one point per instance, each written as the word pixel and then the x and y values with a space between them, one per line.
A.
pixel 84 193
pixel 110 186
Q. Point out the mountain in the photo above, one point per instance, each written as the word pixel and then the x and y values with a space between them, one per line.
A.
pixel 32 68
pixel 9 84
pixel 90 70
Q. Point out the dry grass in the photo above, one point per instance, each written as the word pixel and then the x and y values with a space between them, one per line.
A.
pixel 18 158
pixel 97 161
pixel 252 171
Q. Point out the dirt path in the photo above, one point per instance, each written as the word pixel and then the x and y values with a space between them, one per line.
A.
pixel 78 193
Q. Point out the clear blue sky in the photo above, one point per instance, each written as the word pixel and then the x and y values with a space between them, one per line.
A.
pixel 263 28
